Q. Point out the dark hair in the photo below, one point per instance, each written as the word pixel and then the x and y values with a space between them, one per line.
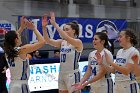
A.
pixel 103 36
pixel 130 33
pixel 9 44
pixel 74 25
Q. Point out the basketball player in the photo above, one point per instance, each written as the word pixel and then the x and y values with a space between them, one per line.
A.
pixel 16 56
pixel 100 81
pixel 71 48
pixel 124 75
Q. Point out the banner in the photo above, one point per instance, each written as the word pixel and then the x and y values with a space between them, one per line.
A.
pixel 4 24
pixel 88 27
pixel 45 76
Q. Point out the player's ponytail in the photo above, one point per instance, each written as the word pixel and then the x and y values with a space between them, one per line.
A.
pixel 9 45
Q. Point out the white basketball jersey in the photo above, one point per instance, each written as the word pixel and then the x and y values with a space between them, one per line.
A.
pixel 19 68
pixel 69 57
pixel 123 57
pixel 94 64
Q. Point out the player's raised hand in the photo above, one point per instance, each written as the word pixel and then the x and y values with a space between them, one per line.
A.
pixel 52 20
pixel 30 25
pixel 44 20
pixel 23 21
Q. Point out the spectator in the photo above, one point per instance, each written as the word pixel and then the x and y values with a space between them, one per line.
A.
pixel 36 55
pixel 56 54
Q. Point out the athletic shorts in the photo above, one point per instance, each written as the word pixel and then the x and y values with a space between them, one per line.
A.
pixel 126 87
pixel 102 86
pixel 66 80
pixel 19 86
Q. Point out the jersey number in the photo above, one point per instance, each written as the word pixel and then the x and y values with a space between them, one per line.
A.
pixel 63 58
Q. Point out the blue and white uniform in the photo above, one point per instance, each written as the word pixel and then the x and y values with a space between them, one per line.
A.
pixel 125 83
pixel 105 84
pixel 69 67
pixel 19 70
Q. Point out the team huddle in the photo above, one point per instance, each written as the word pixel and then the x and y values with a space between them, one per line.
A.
pixel 100 61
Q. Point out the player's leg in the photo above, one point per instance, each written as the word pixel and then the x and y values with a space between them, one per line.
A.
pixel 15 90
pixel 15 87
pixel 61 84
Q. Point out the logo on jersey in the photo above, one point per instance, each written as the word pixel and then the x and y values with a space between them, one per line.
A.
pixel 65 50
pixel 121 60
